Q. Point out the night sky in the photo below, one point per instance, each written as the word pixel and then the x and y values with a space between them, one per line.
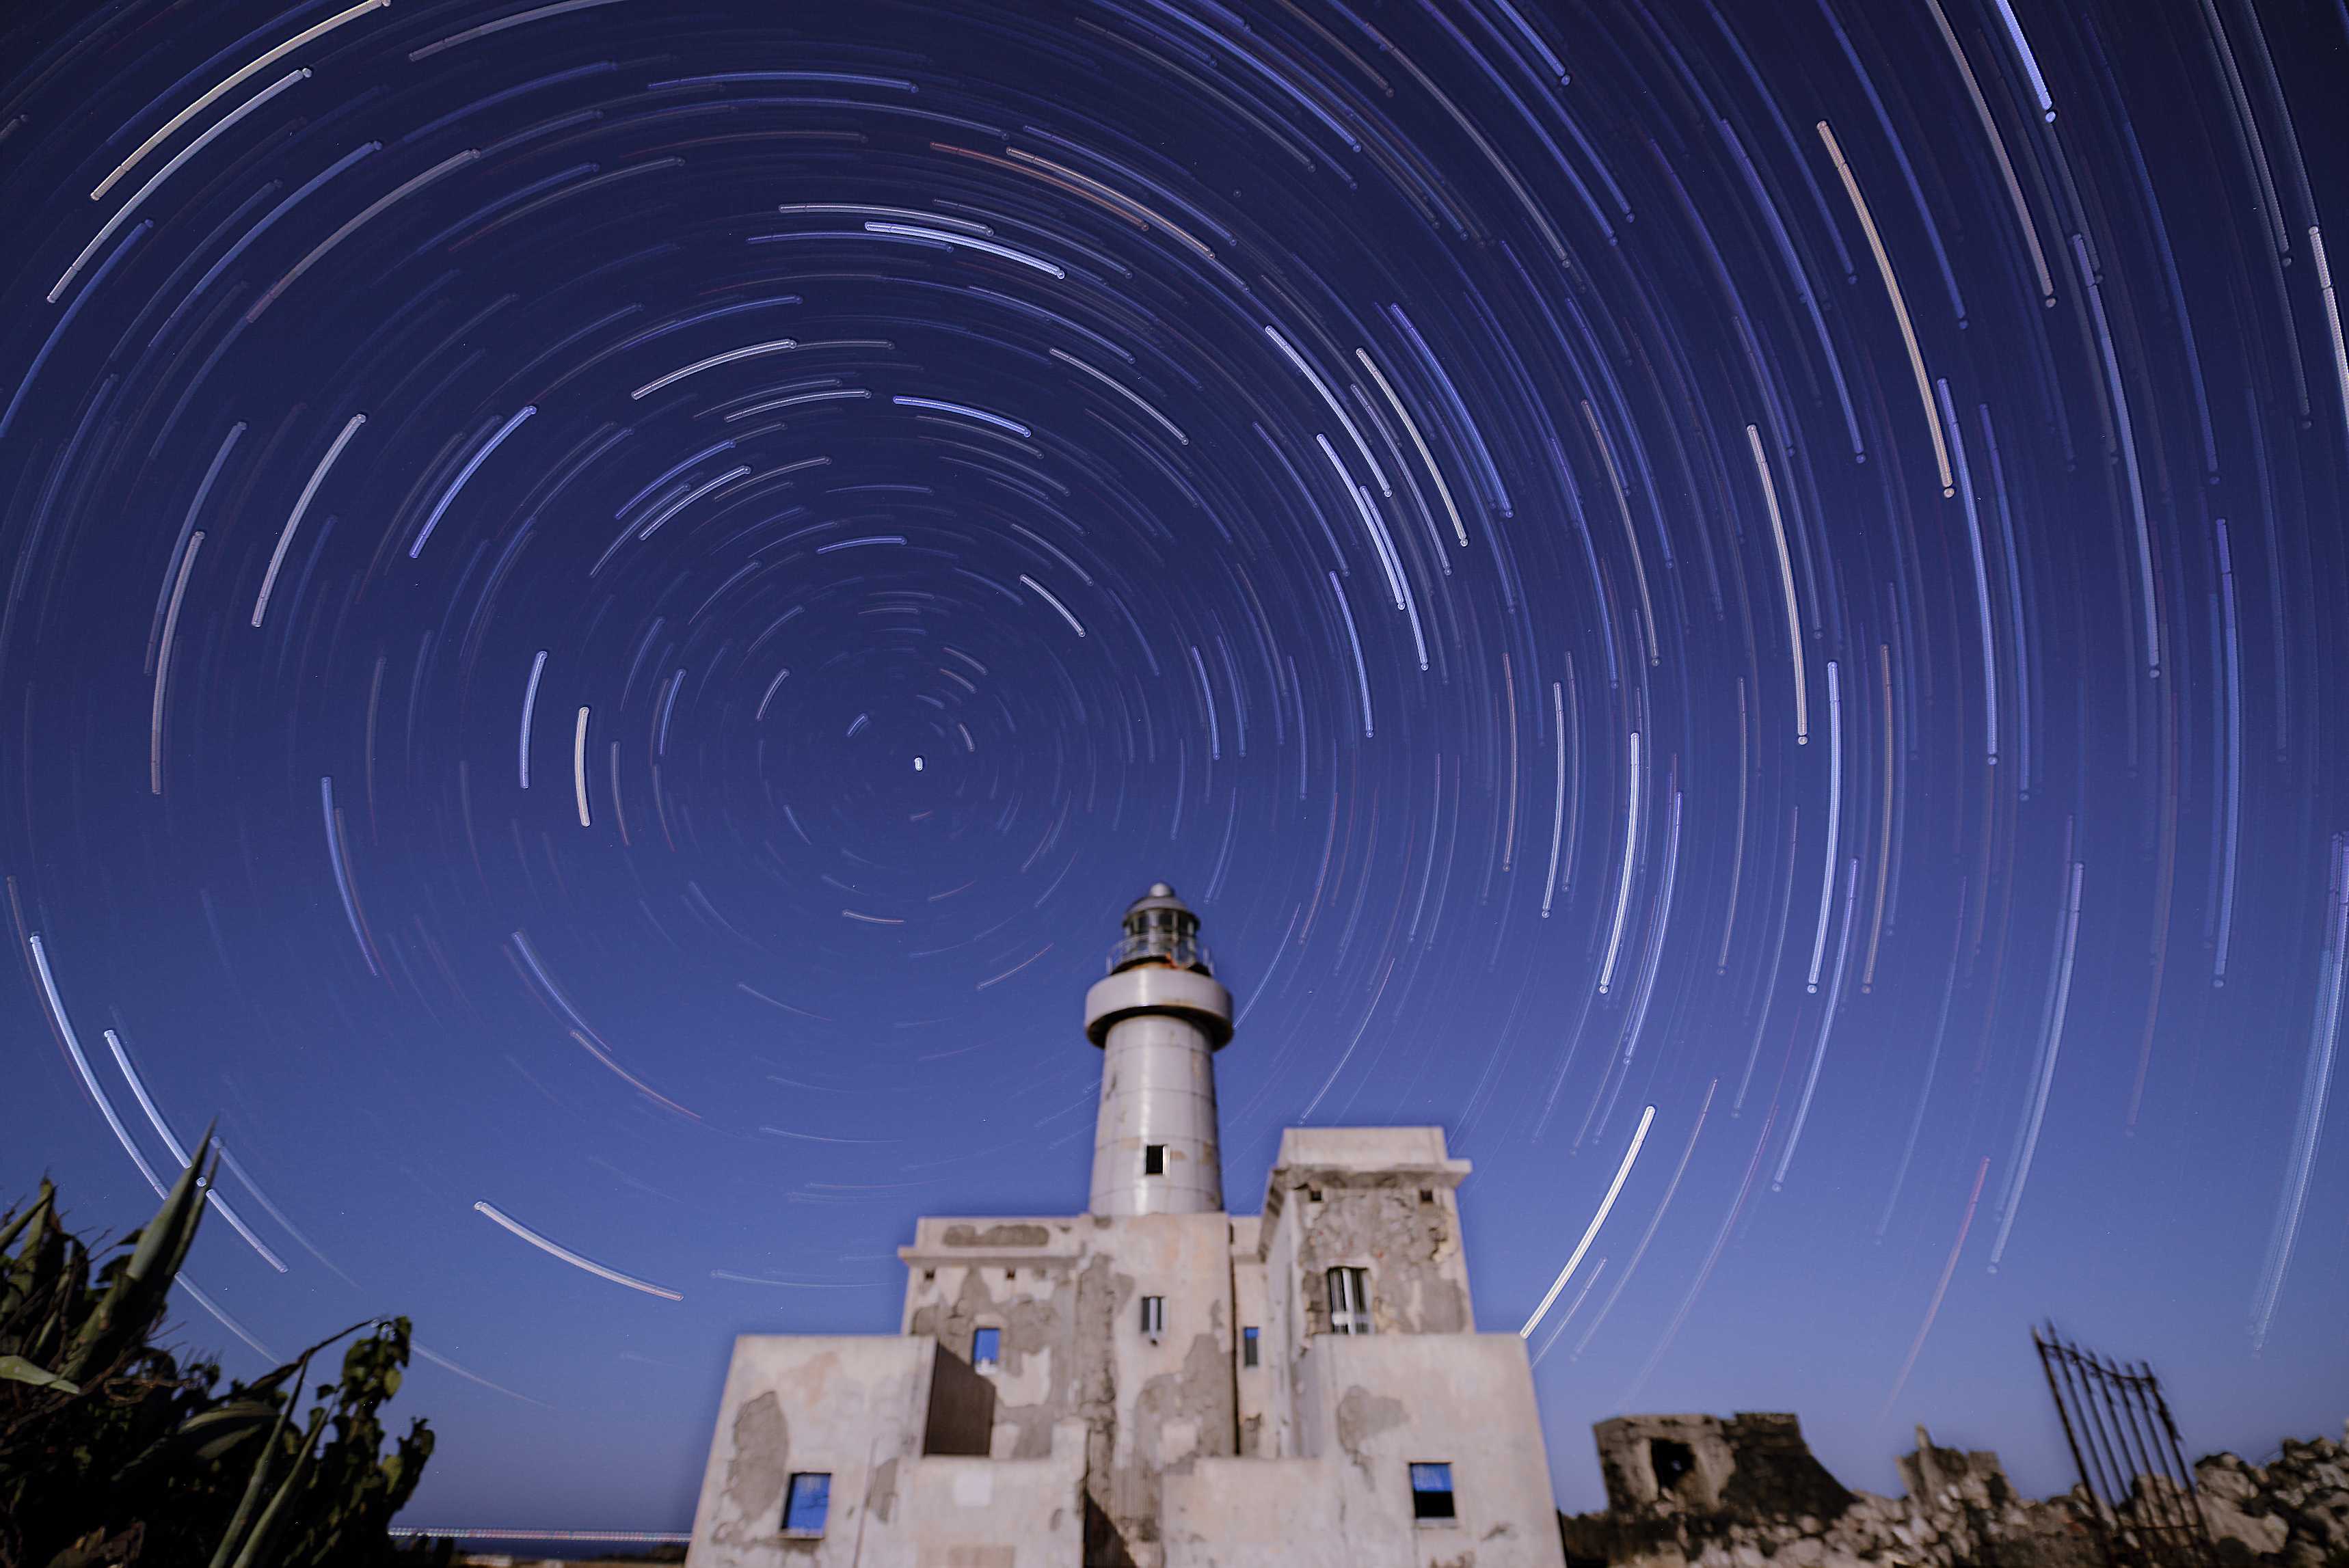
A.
pixel 605 601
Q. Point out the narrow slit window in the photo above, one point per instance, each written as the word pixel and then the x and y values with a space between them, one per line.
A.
pixel 1153 1160
pixel 1349 1300
pixel 807 1503
pixel 1153 1315
pixel 1248 1347
pixel 986 1349
pixel 1431 1494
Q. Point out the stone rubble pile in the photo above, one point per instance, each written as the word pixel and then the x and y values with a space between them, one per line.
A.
pixel 1684 1509
pixel 2294 1511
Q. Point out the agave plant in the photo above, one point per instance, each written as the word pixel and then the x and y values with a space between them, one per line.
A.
pixel 111 1453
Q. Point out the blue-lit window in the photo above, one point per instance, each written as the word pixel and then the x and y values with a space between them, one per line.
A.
pixel 1431 1494
pixel 809 1501
pixel 986 1349
pixel 1248 1347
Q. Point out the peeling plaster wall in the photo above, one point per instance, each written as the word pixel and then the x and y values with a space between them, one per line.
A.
pixel 848 1405
pixel 987 1513
pixel 1419 1282
pixel 1066 1294
pixel 1367 1214
pixel 1033 1280
pixel 1258 1514
pixel 1466 1400
pixel 1173 1402
pixel 1375 1407
pixel 1284 1316
pixel 1370 1214
pixel 851 1406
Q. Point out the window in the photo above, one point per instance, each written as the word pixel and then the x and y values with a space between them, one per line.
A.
pixel 986 1349
pixel 1431 1494
pixel 1153 1315
pixel 929 1276
pixel 1248 1347
pixel 1349 1300
pixel 809 1500
pixel 1313 1195
pixel 1426 1196
pixel 1153 1160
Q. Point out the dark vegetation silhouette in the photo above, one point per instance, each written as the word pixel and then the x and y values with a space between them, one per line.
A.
pixel 113 1452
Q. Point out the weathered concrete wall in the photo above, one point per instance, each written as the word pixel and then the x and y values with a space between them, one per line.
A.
pixel 1258 1514
pixel 1388 1203
pixel 850 1405
pixel 1173 1400
pixel 1284 1321
pixel 985 1513
pixel 1351 1195
pixel 1374 1406
pixel 1252 1385
pixel 1024 1277
pixel 1066 1293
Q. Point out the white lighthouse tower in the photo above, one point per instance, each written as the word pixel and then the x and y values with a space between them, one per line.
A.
pixel 1159 1018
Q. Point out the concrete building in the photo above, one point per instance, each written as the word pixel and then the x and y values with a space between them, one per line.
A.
pixel 1156 1382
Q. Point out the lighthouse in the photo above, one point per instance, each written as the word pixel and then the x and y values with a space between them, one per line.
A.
pixel 1155 1382
pixel 1159 1018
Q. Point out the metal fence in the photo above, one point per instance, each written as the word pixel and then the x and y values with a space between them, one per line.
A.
pixel 2147 1513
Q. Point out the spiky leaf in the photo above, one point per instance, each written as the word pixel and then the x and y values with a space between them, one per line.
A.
pixel 16 1369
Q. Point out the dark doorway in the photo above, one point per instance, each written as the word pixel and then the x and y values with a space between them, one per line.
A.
pixel 1670 1462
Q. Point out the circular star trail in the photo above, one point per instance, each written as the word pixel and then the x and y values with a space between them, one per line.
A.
pixel 604 602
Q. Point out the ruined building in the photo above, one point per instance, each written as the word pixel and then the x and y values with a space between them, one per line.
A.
pixel 1155 1382
pixel 1703 1491
pixel 1744 1492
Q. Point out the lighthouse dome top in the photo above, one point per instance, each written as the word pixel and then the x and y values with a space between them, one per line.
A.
pixel 1160 928
pixel 1162 895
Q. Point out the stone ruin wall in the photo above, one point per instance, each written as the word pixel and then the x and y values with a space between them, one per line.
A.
pixel 1699 1491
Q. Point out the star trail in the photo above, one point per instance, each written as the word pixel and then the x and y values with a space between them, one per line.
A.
pixel 605 601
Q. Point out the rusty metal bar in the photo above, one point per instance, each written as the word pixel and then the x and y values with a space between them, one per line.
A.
pixel 2185 1504
pixel 2112 1389
pixel 2162 1511
pixel 2107 1485
pixel 2146 1508
pixel 2175 1520
pixel 2050 1352
pixel 2201 1522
